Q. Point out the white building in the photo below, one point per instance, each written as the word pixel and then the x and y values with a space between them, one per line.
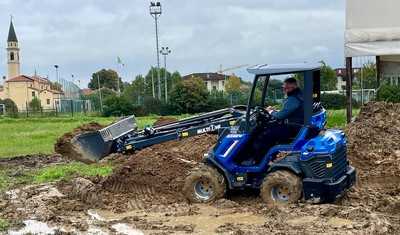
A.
pixel 213 81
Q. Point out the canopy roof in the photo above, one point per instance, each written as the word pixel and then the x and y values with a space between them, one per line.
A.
pixel 278 69
pixel 372 28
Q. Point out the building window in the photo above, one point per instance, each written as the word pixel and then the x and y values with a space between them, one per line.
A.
pixel 214 88
pixel 12 56
pixel 48 101
pixel 33 94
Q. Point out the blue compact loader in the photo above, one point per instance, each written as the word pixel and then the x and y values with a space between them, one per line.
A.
pixel 312 166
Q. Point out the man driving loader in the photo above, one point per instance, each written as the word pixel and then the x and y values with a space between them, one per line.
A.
pixel 289 120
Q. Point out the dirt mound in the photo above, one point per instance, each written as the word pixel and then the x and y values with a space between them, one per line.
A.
pixel 374 141
pixel 63 145
pixel 164 121
pixel 160 169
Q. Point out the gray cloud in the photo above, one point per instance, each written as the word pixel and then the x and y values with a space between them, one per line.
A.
pixel 85 35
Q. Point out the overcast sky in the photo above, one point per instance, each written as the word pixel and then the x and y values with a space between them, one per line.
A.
pixel 83 36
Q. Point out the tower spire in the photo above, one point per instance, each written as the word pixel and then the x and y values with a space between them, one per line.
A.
pixel 12 36
pixel 13 59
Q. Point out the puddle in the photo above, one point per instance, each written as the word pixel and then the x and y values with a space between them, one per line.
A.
pixel 126 229
pixel 34 227
pixel 206 221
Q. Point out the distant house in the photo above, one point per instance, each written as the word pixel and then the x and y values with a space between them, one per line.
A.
pixel 87 91
pixel 213 81
pixel 22 89
pixel 341 77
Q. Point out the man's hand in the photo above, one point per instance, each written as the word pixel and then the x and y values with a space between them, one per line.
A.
pixel 270 109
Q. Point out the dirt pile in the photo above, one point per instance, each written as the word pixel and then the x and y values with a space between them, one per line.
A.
pixel 374 141
pixel 164 121
pixel 160 169
pixel 63 145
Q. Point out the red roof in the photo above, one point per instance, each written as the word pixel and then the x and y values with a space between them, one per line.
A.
pixel 87 91
pixel 21 78
pixel 207 76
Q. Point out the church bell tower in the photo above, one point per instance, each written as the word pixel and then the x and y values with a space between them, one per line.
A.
pixel 13 60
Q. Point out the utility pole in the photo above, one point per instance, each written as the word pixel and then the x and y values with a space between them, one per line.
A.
pixel 152 82
pixel 101 100
pixel 165 51
pixel 155 12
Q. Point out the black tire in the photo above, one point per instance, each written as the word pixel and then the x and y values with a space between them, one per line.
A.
pixel 203 185
pixel 281 187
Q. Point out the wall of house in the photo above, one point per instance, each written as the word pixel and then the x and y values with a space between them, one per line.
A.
pixel 18 92
pixel 216 85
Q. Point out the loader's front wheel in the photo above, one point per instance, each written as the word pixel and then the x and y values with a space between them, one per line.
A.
pixel 281 187
pixel 204 185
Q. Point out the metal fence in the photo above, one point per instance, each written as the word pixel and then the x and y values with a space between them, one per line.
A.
pixel 61 108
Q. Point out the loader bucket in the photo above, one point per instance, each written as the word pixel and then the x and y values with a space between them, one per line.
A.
pixel 93 146
pixel 90 147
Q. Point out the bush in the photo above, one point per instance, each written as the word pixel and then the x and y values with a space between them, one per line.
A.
pixel 389 94
pixel 117 106
pixel 11 107
pixel 35 105
pixel 335 101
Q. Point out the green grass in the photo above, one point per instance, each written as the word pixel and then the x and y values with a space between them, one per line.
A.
pixel 3 225
pixel 52 173
pixel 65 171
pixel 337 118
pixel 24 136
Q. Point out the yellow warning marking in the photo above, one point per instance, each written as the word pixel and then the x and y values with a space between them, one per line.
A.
pixel 128 147
pixel 185 134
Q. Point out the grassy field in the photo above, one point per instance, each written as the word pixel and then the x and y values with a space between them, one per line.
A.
pixel 38 135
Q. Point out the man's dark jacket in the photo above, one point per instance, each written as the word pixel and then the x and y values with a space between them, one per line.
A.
pixel 293 108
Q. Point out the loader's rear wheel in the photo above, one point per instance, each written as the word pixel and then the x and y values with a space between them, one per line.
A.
pixel 204 185
pixel 281 187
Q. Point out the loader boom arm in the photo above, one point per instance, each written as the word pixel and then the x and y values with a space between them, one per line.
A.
pixel 123 135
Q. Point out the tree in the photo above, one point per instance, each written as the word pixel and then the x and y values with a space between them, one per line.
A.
pixel 117 106
pixel 11 107
pixel 275 90
pixel 190 96
pixel 55 86
pixel 328 78
pixel 108 78
pixel 389 93
pixel 95 97
pixel 232 85
pixel 35 104
pixel 136 91
pixel 368 76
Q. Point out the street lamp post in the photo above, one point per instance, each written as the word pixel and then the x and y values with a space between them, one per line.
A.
pixel 56 66
pixel 165 51
pixel 155 12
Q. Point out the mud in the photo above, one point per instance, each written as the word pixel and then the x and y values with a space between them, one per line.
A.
pixel 64 147
pixel 160 169
pixel 31 161
pixel 143 195
pixel 164 121
pixel 374 142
